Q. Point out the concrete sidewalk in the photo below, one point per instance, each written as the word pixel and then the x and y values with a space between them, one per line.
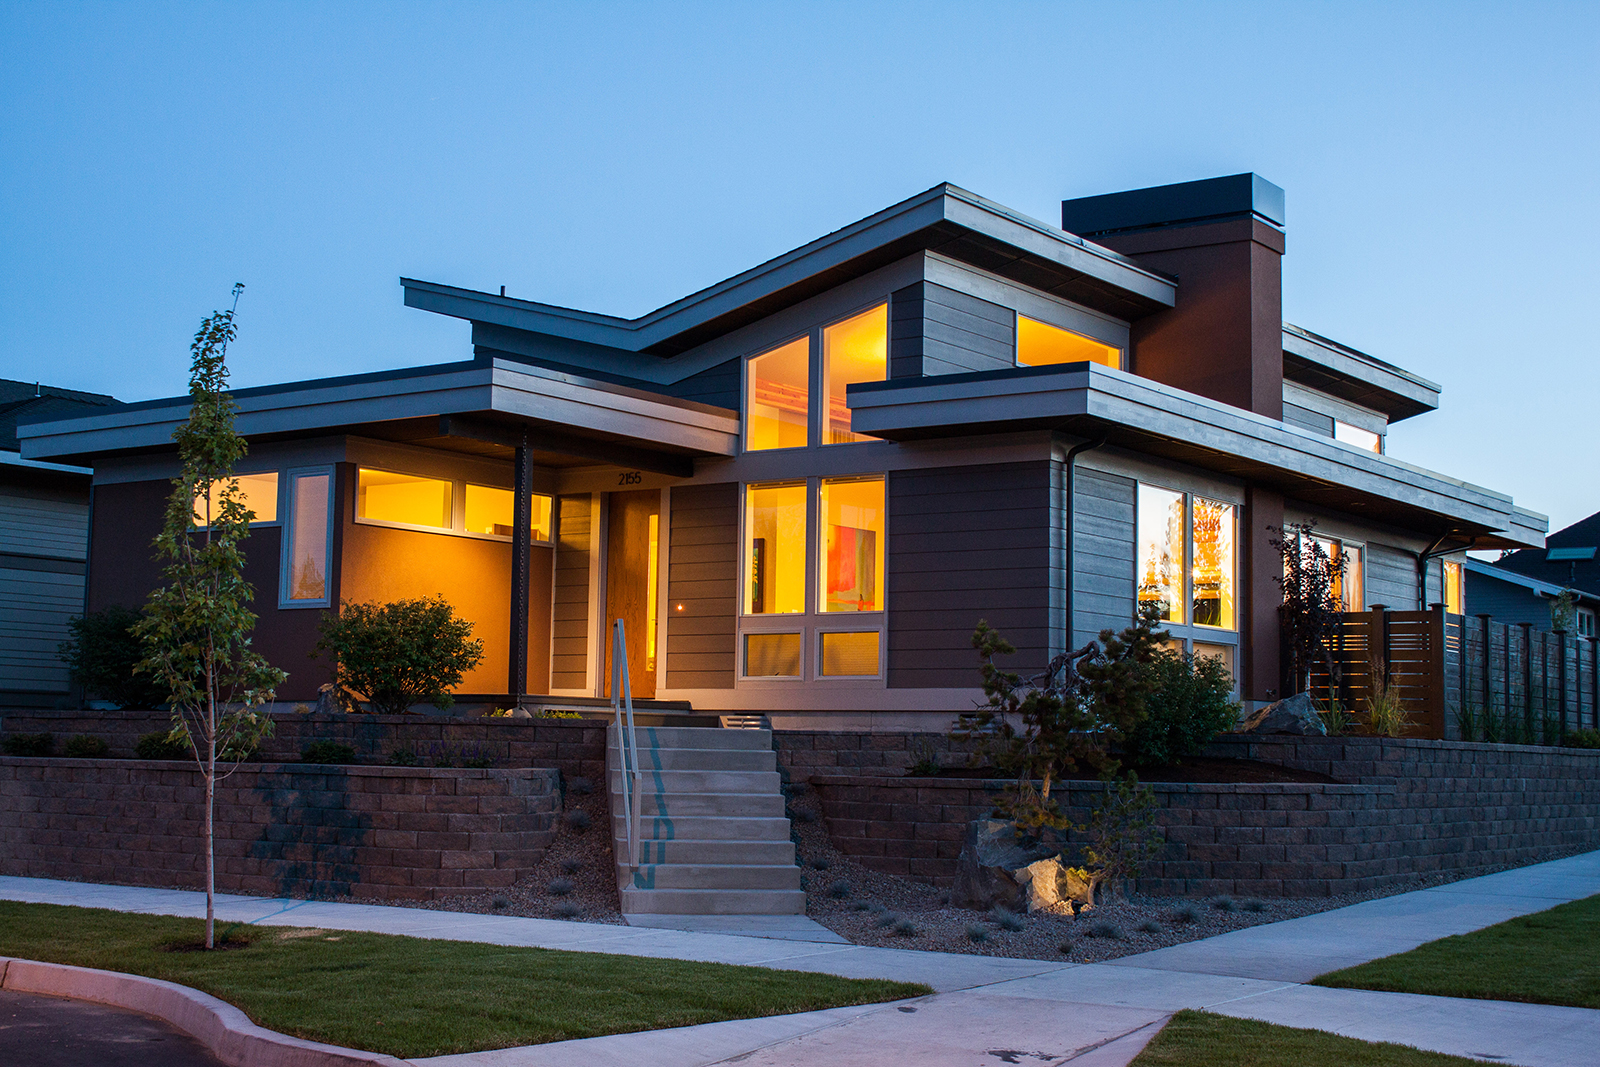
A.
pixel 988 1010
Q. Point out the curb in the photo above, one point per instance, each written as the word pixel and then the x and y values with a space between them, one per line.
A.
pixel 222 1028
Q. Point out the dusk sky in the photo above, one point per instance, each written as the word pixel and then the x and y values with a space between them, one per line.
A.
pixel 1441 163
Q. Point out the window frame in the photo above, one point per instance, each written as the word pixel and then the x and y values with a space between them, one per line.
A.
pixel 1378 438
pixel 287 480
pixel 278 491
pixel 812 337
pixel 1582 616
pixel 458 507
pixel 1189 632
pixel 832 628
pixel 1016 342
pixel 503 538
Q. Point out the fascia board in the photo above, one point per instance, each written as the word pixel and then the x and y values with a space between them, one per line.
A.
pixel 1415 394
pixel 14 459
pixel 1122 399
pixel 938 205
pixel 562 400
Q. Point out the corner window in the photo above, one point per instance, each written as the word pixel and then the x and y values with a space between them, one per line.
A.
pixel 1455 592
pixel 775 549
pixel 304 580
pixel 491 511
pixel 855 350
pixel 777 398
pixel 259 492
pixel 1356 437
pixel 1039 344
pixel 852 548
pixel 406 499
pixel 1187 563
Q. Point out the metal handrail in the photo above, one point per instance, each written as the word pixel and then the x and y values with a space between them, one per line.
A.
pixel 628 744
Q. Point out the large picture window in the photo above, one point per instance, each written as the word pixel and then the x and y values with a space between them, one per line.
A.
pixel 775 549
pixel 1212 581
pixel 777 398
pixel 852 544
pixel 855 350
pixel 1186 558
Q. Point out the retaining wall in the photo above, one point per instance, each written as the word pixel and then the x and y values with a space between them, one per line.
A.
pixel 1408 808
pixel 299 830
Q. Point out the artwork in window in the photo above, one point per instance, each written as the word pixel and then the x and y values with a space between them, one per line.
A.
pixel 308 537
pixel 1160 529
pixel 1213 577
pixel 772 655
pixel 1455 594
pixel 852 655
pixel 389 497
pixel 1365 440
pixel 259 492
pixel 491 510
pixel 855 350
pixel 777 407
pixel 1039 343
pixel 852 548
pixel 775 549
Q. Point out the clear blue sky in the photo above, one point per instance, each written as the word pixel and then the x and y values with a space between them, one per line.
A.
pixel 1441 161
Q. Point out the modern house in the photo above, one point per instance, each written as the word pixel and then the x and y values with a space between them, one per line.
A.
pixel 802 487
pixel 1523 586
pixel 44 534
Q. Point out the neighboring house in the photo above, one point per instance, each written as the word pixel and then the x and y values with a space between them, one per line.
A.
pixel 44 532
pixel 802 487
pixel 1569 561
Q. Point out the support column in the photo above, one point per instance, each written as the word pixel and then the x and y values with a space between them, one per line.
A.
pixel 521 540
pixel 1260 676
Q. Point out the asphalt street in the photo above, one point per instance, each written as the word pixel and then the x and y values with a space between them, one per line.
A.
pixel 40 1031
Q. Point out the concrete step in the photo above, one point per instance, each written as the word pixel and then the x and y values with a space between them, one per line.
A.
pixel 703 781
pixel 712 901
pixel 701 827
pixel 679 850
pixel 713 876
pixel 700 759
pixel 696 737
pixel 769 805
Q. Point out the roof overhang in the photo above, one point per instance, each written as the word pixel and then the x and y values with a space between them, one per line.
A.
pixel 496 401
pixel 1088 400
pixel 1341 371
pixel 945 219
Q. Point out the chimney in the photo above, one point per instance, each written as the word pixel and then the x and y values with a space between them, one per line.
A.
pixel 1223 239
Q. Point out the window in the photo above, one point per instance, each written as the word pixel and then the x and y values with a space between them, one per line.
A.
pixel 1585 622
pixel 384 496
pixel 305 544
pixel 777 404
pixel 1039 343
pixel 1349 588
pixel 775 549
pixel 1357 437
pixel 1160 563
pixel 1224 653
pixel 1455 590
pixel 1186 545
pixel 492 510
pixel 852 544
pixel 259 492
pixel 772 655
pixel 855 350
pixel 1212 582
pixel 849 655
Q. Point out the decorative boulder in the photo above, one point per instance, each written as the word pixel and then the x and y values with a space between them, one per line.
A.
pixel 1293 715
pixel 989 857
pixel 333 700
pixel 1049 882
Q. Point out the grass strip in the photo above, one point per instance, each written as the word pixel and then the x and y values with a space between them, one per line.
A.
pixel 412 997
pixel 1545 958
pixel 1200 1039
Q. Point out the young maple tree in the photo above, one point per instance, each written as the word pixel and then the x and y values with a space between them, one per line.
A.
pixel 196 628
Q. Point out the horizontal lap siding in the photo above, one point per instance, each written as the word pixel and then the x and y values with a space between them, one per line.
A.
pixel 42 526
pixel 966 543
pixel 1391 577
pixel 569 629
pixel 1103 548
pixel 934 330
pixel 703 577
pixel 34 609
pixel 717 385
pixel 1306 419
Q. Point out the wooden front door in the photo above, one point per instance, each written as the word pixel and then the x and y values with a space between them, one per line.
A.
pixel 633 542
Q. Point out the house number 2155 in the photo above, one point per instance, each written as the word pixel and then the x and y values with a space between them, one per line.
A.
pixel 629 478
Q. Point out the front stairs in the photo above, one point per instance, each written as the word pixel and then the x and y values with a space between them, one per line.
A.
pixel 714 839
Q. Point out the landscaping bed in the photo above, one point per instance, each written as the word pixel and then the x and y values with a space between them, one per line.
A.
pixel 1207 769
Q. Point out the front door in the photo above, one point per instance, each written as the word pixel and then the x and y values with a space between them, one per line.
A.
pixel 633 542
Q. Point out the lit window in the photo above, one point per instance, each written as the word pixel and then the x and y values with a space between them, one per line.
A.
pixel 772 655
pixel 1455 592
pixel 775 549
pixel 855 350
pixel 491 510
pixel 852 544
pixel 388 497
pixel 1160 560
pixel 849 655
pixel 777 412
pixel 652 613
pixel 1356 436
pixel 1213 576
pixel 1222 653
pixel 259 492
pixel 306 548
pixel 1039 343
pixel 1348 586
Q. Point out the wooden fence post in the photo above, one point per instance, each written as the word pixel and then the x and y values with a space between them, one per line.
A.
pixel 1488 689
pixel 1561 680
pixel 1527 679
pixel 1437 713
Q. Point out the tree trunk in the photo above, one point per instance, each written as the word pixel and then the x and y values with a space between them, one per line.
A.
pixel 211 846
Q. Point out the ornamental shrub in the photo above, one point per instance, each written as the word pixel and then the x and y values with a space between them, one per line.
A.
pixel 1192 702
pixel 328 752
pixel 161 745
pixel 101 654
pixel 86 746
pixel 401 653
pixel 28 744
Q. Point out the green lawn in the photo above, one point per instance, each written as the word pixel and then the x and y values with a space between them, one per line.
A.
pixel 411 997
pixel 1546 958
pixel 1199 1039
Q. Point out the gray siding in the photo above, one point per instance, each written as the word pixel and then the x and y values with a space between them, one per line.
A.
pixel 1391 577
pixel 1103 570
pixel 35 606
pixel 1508 603
pixel 703 576
pixel 717 385
pixel 43 525
pixel 934 330
pixel 1308 420
pixel 967 543
pixel 569 616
